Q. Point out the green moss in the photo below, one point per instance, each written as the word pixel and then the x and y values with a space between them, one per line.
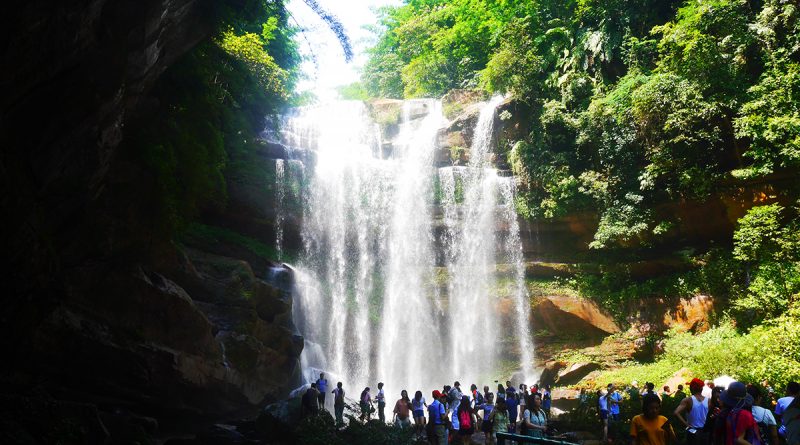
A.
pixel 202 234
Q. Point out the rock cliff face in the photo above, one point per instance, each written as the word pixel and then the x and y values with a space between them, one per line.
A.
pixel 111 332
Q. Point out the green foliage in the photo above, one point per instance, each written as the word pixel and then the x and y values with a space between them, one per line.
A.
pixel 767 241
pixel 204 235
pixel 770 351
pixel 320 430
pixel 211 108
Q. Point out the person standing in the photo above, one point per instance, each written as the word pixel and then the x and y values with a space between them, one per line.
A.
pixel 547 399
pixel 365 403
pixel 310 401
pixel 454 397
pixel 523 397
pixel 501 392
pixel 402 410
pixel 534 419
pixel 602 406
pixel 338 404
pixel 466 420
pixel 499 419
pixel 511 405
pixel 767 426
pixel 735 425
pixel 486 426
pixel 614 397
pixel 437 416
pixel 322 387
pixel 679 394
pixel 418 406
pixel 792 391
pixel 697 408
pixel 791 417
pixel 650 427
pixel 477 400
pixel 381 399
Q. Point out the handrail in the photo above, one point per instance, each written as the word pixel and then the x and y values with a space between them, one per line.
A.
pixel 534 440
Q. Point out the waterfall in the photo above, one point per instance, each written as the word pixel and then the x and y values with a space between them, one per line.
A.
pixel 368 301
pixel 280 211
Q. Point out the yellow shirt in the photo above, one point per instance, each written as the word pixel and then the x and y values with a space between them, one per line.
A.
pixel 648 431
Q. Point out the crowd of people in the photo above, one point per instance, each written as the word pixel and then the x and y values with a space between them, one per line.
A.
pixel 452 415
pixel 709 415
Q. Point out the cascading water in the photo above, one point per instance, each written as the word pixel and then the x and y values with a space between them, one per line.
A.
pixel 368 302
pixel 280 205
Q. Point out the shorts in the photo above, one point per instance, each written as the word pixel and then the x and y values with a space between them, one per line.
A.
pixel 466 431
pixel 486 426
pixel 419 413
pixel 603 414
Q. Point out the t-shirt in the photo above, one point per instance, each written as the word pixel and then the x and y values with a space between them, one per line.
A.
pixel 511 405
pixel 401 408
pixel 487 410
pixel 539 418
pixel 500 422
pixel 322 385
pixel 546 400
pixel 742 420
pixel 603 402
pixel 763 415
pixel 338 397
pixel 436 412
pixel 781 405
pixel 617 397
pixel 649 431
pixel 380 398
pixel 418 404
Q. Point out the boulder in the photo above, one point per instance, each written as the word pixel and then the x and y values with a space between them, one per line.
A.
pixel 570 315
pixel 575 372
pixel 455 101
pixel 550 372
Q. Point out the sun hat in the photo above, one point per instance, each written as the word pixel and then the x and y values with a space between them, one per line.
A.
pixel 736 396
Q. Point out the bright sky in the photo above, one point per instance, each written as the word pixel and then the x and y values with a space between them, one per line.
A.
pixel 331 70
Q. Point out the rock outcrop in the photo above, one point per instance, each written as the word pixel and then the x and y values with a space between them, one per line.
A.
pixel 570 315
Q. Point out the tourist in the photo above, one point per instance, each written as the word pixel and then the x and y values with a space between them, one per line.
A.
pixel 437 420
pixel 309 403
pixel 523 396
pixel 633 391
pixel 338 404
pixel 547 399
pixel 650 427
pixel 477 400
pixel 510 391
pixel 650 388
pixel 791 417
pixel 583 403
pixel 466 420
pixel 534 419
pixel 499 419
pixel 418 406
pixel 767 426
pixel 708 388
pixel 511 406
pixel 453 401
pixel 714 410
pixel 602 405
pixel 792 391
pixel 486 393
pixel 381 399
pixel 402 409
pixel 679 394
pixel 665 392
pixel 486 426
pixel 735 424
pixel 365 402
pixel 501 392
pixel 614 398
pixel 697 408
pixel 322 387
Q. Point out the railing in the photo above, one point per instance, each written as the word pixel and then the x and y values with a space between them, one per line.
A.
pixel 535 440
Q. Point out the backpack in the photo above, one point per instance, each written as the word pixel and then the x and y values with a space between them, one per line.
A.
pixel 464 419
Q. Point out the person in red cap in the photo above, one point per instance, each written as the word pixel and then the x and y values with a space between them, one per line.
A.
pixel 697 408
pixel 437 415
